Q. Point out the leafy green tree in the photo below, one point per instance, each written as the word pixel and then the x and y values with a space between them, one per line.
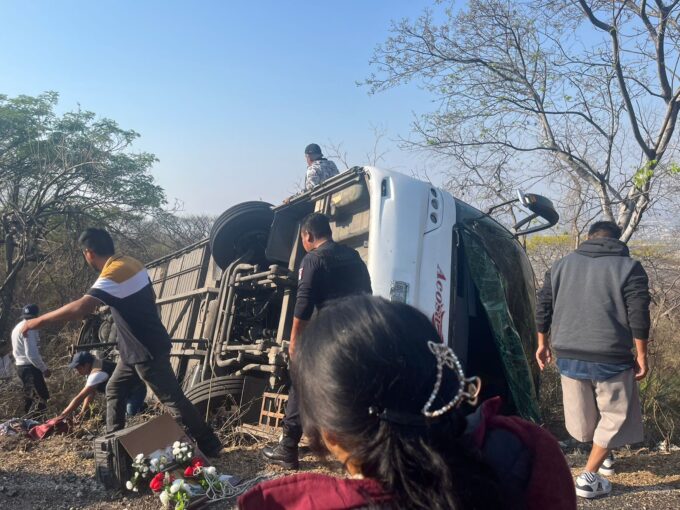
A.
pixel 579 94
pixel 59 174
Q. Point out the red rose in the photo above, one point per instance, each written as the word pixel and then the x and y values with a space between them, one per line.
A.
pixel 157 482
pixel 195 464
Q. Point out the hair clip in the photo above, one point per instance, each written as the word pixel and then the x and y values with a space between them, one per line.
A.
pixel 468 389
pixel 398 417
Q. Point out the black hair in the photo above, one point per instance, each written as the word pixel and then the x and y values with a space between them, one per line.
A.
pixel 365 353
pixel 604 229
pixel 318 225
pixel 98 240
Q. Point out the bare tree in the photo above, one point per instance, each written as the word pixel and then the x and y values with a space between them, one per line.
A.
pixel 165 232
pixel 375 156
pixel 575 94
pixel 338 153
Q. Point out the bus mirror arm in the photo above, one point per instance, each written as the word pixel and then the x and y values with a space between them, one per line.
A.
pixel 540 207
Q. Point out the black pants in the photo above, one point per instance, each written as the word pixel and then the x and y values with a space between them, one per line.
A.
pixel 34 389
pixel 292 426
pixel 158 375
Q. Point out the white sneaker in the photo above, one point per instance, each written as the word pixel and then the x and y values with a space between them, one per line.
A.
pixel 592 485
pixel 607 467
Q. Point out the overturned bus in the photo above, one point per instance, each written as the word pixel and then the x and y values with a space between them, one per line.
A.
pixel 228 301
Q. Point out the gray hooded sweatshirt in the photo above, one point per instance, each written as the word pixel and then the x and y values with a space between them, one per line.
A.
pixel 594 302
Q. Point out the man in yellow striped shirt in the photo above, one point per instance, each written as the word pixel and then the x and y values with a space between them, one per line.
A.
pixel 143 341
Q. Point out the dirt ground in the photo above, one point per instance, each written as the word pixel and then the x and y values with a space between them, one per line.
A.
pixel 645 480
pixel 57 474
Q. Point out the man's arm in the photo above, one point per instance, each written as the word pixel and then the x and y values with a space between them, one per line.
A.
pixel 299 326
pixel 637 298
pixel 305 300
pixel 86 405
pixel 544 304
pixel 73 311
pixel 33 352
pixel 87 393
pixel 543 352
pixel 544 311
pixel 641 366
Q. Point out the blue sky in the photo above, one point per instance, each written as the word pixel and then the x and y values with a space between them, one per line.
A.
pixel 226 94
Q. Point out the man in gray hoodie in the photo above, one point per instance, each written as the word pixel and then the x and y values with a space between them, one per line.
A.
pixel 594 307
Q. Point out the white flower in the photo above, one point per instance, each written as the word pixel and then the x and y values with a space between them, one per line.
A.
pixel 128 485
pixel 176 444
pixel 145 469
pixel 139 457
pixel 184 449
pixel 165 498
pixel 189 455
pixel 176 486
pixel 210 470
pixel 136 489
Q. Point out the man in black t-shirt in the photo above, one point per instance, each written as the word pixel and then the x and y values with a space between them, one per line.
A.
pixel 328 271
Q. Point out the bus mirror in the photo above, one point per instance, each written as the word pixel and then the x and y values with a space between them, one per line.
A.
pixel 540 207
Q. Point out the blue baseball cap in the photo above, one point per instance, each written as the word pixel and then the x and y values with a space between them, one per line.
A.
pixel 81 358
pixel 29 311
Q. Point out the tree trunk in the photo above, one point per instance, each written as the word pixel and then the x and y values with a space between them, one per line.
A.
pixel 13 267
pixel 6 301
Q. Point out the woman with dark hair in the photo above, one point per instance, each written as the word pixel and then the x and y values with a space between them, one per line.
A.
pixel 381 393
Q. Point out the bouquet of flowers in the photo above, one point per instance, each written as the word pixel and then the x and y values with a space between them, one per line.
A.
pixel 158 463
pixel 194 468
pixel 182 452
pixel 141 470
pixel 143 467
pixel 173 490
pixel 195 479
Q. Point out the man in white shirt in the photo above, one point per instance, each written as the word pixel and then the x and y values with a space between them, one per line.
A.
pixel 31 368
pixel 97 373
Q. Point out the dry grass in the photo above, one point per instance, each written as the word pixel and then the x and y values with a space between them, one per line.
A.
pixel 63 384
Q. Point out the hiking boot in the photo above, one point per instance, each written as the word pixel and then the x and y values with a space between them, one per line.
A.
pixel 211 448
pixel 607 467
pixel 592 485
pixel 282 454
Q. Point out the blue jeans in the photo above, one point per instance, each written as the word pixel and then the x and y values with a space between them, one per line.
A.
pixel 135 401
